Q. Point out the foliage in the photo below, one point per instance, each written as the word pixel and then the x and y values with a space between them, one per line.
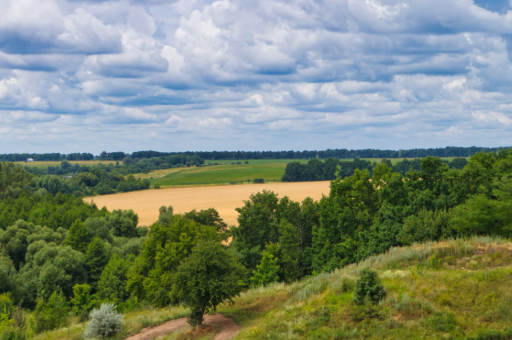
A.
pixel 112 283
pixel 13 179
pixel 166 246
pixel 6 307
pixel 78 236
pixel 51 314
pixel 96 258
pixel 105 322
pixel 208 277
pixel 266 272
pixel 82 300
pixel 368 288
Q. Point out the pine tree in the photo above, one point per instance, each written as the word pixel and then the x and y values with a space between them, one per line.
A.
pixel 96 259
pixel 368 286
pixel 78 237
pixel 266 272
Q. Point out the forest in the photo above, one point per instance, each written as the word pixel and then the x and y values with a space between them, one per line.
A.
pixel 101 179
pixel 61 256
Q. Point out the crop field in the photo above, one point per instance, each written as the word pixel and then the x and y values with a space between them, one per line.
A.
pixel 223 198
pixel 271 170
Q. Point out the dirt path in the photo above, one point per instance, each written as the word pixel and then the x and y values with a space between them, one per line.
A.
pixel 229 328
pixel 223 198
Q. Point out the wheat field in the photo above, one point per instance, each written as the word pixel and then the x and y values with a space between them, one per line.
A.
pixel 223 198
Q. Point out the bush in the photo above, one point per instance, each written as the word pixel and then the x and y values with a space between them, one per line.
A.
pixel 259 180
pixel 157 186
pixel 105 322
pixel 13 334
pixel 368 287
pixel 6 307
pixel 51 314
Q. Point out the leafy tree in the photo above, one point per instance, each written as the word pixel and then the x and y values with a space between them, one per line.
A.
pixel 13 179
pixel 96 258
pixel 15 241
pixel 289 244
pixel 208 277
pixel 112 283
pixel 82 300
pixel 166 246
pixel 51 314
pixel 368 288
pixel 78 237
pixel 209 217
pixel 266 272
pixel 88 179
pixel 123 223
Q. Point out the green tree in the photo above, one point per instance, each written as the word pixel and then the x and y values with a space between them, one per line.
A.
pixel 368 288
pixel 51 314
pixel 208 277
pixel 289 244
pixel 112 283
pixel 266 272
pixel 82 300
pixel 96 258
pixel 123 223
pixel 166 246
pixel 78 237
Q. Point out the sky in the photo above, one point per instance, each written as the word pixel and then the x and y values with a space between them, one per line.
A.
pixel 129 75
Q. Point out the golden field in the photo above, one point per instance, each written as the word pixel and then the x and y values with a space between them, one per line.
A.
pixel 223 198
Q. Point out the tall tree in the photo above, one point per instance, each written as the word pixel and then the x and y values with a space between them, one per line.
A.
pixel 208 277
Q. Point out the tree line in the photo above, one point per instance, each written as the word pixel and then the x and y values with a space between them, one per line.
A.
pixel 53 157
pixel 316 170
pixel 449 151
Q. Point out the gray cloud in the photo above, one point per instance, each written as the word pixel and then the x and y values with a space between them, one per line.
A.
pixel 232 74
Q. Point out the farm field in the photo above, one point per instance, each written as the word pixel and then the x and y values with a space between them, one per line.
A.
pixel 223 198
pixel 226 173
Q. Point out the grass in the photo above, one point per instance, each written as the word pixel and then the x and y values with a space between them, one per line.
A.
pixel 218 174
pixel 452 289
pixel 226 172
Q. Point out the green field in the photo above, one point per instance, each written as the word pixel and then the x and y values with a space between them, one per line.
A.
pixel 220 174
pixel 226 173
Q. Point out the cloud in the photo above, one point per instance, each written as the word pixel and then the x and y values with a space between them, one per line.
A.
pixel 230 74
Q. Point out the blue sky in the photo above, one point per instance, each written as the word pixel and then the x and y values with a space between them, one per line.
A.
pixel 88 76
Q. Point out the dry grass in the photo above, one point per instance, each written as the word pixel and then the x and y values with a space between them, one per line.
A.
pixel 223 198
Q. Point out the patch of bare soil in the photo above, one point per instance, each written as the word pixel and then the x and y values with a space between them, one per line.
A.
pixel 229 328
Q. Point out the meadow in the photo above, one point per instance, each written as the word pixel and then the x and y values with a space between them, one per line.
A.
pixel 223 198
pixel 271 170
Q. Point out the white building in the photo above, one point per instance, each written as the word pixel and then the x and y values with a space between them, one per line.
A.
pixel 30 160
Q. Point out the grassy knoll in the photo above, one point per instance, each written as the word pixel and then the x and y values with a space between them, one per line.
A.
pixel 450 290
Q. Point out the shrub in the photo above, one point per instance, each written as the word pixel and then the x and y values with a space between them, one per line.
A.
pixel 51 314
pixel 157 186
pixel 368 287
pixel 105 322
pixel 259 180
pixel 6 307
pixel 13 334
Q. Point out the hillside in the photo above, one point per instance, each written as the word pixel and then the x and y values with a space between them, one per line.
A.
pixel 450 289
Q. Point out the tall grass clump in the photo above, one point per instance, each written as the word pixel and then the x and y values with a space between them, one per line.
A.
pixel 105 322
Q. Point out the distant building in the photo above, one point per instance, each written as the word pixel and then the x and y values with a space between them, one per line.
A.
pixel 30 160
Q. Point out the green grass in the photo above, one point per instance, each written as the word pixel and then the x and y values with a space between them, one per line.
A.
pixel 222 174
pixel 446 290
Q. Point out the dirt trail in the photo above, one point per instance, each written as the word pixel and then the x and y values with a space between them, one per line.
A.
pixel 229 328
